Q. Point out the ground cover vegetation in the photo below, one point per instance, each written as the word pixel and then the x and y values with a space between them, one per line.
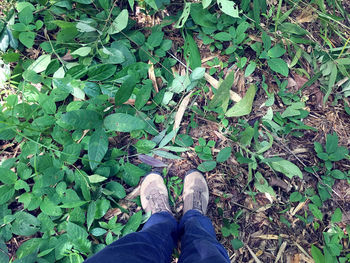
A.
pixel 96 93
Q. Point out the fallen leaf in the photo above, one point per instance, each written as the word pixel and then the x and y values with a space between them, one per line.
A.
pixel 151 161
pixel 67 56
pixel 307 15
pixel 152 76
pixel 180 112
pixel 215 83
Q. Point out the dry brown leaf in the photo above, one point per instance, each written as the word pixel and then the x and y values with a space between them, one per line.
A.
pixel 152 76
pixel 215 83
pixel 181 111
pixel 281 251
pixel 67 57
pixel 307 15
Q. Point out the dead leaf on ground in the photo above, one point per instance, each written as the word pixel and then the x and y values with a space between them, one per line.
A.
pixel 181 111
pixel 152 76
pixel 67 56
pixel 307 15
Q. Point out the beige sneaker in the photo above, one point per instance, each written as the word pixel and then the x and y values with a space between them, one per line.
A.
pixel 154 194
pixel 196 192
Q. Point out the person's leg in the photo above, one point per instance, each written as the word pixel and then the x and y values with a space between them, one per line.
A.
pixel 154 243
pixel 198 242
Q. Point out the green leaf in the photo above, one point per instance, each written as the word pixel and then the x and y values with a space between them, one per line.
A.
pixel 317 255
pixel 6 193
pixel 184 16
pixel 144 146
pixel 117 189
pixel 101 72
pixel 202 16
pixel 71 153
pixel 228 7
pixel 98 231
pixel 332 79
pixel 292 29
pixel 295 197
pixel 155 39
pixel 337 216
pixel 223 91
pixel 223 36
pixel 143 95
pixel 133 223
pixel 244 106
pixel 47 103
pixel 90 216
pixel 75 232
pixel 236 243
pixel 25 224
pixel 206 3
pixel 98 146
pixel 28 247
pixel 224 154
pixel 191 52
pixel 7 176
pixel 123 122
pixel 82 52
pixel 331 143
pixel 250 69
pixel 27 38
pixel 262 185
pixel 82 119
pixel 95 178
pixel 276 51
pixel 207 166
pixel 184 140
pixel 119 23
pixel 125 91
pixel 278 65
pixel 26 16
pixel 49 208
pixel 288 168
pixel 316 212
pixel 132 174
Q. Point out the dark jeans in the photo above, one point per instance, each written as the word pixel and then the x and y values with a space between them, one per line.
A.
pixel 156 241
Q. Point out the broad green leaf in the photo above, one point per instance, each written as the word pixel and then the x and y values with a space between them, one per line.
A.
pixel 83 51
pixel 152 3
pixel 288 168
pixel 184 16
pixel 95 178
pixel 26 16
pixel 119 23
pixel 132 174
pixel 184 140
pixel 316 211
pixel 98 146
pixel 125 90
pixel 337 216
pixel 71 153
pixel 228 7
pixel 278 65
pixel 167 138
pixel 262 185
pixel 292 29
pixel 85 2
pixel 244 106
pixel 123 122
pixel 28 247
pixel 101 72
pixel 47 103
pixel 98 231
pixel 6 193
pixel 75 231
pixel 90 216
pixel 7 176
pixel 27 38
pixel 84 27
pixel 155 39
pixel 206 3
pixel 223 36
pixel 191 52
pixel 106 4
pixel 49 208
pixel 82 119
pixel 276 51
pixel 202 16
pixel 4 257
pixel 117 189
pixel 197 73
pixel 331 143
pixel 223 91
pixel 223 155
pixel 332 79
pixel 237 243
pixel 317 254
pixel 25 224
pixel 143 95
pixel 250 69
pixel 207 166
pixel 144 146
pixel 133 223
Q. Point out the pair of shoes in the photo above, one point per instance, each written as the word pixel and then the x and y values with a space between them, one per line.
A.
pixel 154 194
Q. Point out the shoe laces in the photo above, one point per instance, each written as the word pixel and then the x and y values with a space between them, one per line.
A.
pixel 157 201
pixel 197 198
